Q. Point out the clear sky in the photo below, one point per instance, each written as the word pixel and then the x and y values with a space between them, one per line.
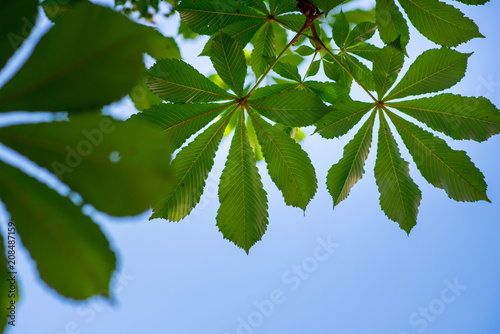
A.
pixel 349 271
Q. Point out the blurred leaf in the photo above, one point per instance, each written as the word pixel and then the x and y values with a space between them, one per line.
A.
pixel 100 62
pixel 78 153
pixel 71 253
pixel 160 47
pixel 17 18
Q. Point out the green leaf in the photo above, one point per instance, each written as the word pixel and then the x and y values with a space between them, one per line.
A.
pixel 271 90
pixel 100 62
pixel 263 42
pixel 160 47
pixel 360 33
pixel 181 121
pixel 327 91
pixel 439 22
pixel 17 18
pixel 242 215
pixel 243 31
pixel 441 166
pixel 340 30
pixel 257 5
pixel 391 23
pixel 292 108
pixel 349 170
pixel 229 62
pixel 71 252
pixel 327 5
pixel 209 17
pixel 142 97
pixel 254 142
pixel 175 81
pixel 456 116
pixel 386 67
pixel 293 22
pixel 432 71
pixel 343 118
pixel 314 68
pixel 289 166
pixel 282 6
pixel 364 50
pixel 360 72
pixel 399 195
pixel 357 16
pixel 287 71
pixel 79 152
pixel 473 2
pixel 335 72
pixel 191 167
pixel 305 50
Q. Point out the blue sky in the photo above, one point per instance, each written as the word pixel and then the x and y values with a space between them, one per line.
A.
pixel 350 270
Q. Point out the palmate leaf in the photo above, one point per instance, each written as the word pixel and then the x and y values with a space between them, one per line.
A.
pixel 78 153
pixel 257 5
pixel 102 60
pixel 343 118
pixel 390 22
pixel 181 121
pixel 263 42
pixel 242 215
pixel 334 70
pixel 433 71
pixel 439 22
pixel 72 254
pixel 191 167
pixel 343 175
pixel 399 195
pixel 441 166
pixel 252 138
pixel 209 17
pixel 293 22
pixel 289 166
pixel 175 81
pixel 292 108
pixel 17 18
pixel 229 62
pixel 386 66
pixel 456 116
